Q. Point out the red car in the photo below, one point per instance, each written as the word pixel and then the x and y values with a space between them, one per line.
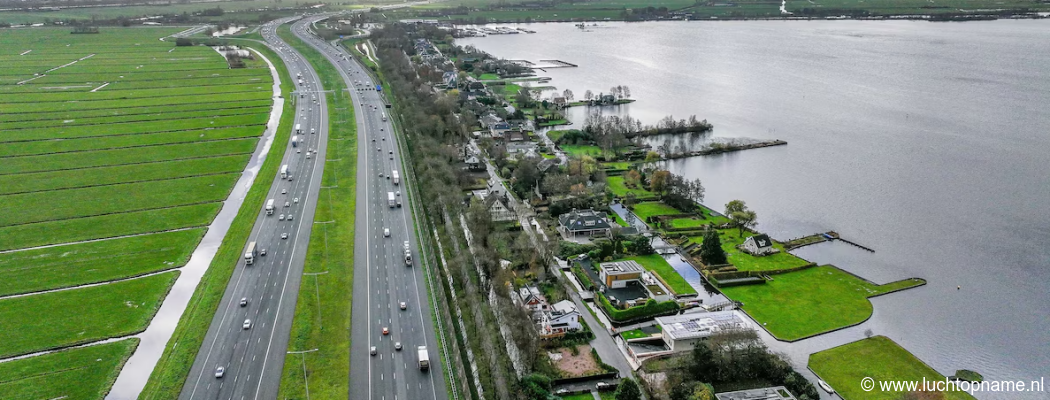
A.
pixel 386 331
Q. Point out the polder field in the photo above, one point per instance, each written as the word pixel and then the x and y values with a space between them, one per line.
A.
pixel 116 152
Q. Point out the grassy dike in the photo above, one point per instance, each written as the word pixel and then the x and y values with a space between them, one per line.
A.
pixel 323 310
pixel 171 371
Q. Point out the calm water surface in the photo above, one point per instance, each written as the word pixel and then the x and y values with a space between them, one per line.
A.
pixel 928 142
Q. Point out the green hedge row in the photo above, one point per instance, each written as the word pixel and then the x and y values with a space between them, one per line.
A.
pixel 650 309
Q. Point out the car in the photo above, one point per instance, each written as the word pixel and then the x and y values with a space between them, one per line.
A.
pixel 562 391
pixel 391 157
pixel 284 191
pixel 244 301
pixel 247 324
pixel 391 152
pixel 388 177
pixel 290 177
pixel 280 217
pixel 386 331
pixel 386 232
pixel 262 252
pixel 380 174
pixel 372 350
pixel 397 346
pixel 307 156
pixel 404 306
pixel 219 372
pixel 284 236
pixel 601 385
pixel 398 192
pixel 295 200
pixel 373 139
pixel 384 139
pixel 378 149
pixel 298 150
pixel 380 129
pixel 287 204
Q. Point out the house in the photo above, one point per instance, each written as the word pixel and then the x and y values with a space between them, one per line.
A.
pixel 449 78
pixel 682 332
pixel 474 164
pixel 515 135
pixel 758 245
pixel 488 120
pixel 560 102
pixel 617 274
pixel 561 318
pixel 584 223
pixel 499 208
pixel 607 99
pixel 532 299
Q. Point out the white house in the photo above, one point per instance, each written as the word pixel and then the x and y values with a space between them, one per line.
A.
pixel 532 299
pixel 758 245
pixel 562 318
pixel 682 332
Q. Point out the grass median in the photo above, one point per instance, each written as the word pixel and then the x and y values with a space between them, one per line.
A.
pixel 174 365
pixel 323 309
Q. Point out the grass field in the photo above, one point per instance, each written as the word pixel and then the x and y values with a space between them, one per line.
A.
pixel 325 325
pixel 620 189
pixel 581 150
pixel 731 238
pixel 59 319
pixel 84 263
pixel 804 303
pixel 878 358
pixel 104 136
pixel 651 208
pixel 81 373
pixel 657 264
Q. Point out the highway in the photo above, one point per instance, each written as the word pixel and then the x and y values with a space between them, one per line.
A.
pixel 253 357
pixel 381 277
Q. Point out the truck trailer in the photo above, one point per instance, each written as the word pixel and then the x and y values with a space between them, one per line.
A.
pixel 269 207
pixel 424 358
pixel 298 128
pixel 397 178
pixel 390 199
pixel 284 171
pixel 295 141
pixel 249 254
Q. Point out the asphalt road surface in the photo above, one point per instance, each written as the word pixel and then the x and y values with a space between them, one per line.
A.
pixel 253 357
pixel 382 279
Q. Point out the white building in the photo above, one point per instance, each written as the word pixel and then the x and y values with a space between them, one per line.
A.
pixel 532 299
pixel 758 245
pixel 682 332
pixel 562 318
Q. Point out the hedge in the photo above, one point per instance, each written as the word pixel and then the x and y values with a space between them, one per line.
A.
pixel 651 309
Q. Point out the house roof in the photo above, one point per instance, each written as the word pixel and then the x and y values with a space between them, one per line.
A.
pixel 697 325
pixel 762 240
pixel 583 220
pixel 621 267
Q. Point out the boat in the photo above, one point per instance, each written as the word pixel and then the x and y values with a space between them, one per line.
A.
pixel 825 386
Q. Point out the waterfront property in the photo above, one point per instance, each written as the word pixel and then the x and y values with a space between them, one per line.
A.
pixel 682 332
pixel 585 223
pixel 758 245
pixel 616 274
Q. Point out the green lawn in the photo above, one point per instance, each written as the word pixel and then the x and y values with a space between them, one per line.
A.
pixel 651 208
pixel 656 263
pixel 616 165
pixel 554 135
pixel 80 373
pixel 488 77
pixel 620 189
pixel 878 358
pixel 581 150
pixel 634 334
pixel 579 396
pixel 92 262
pixel 619 221
pixel 746 262
pixel 59 319
pixel 53 180
pixel 325 325
pixel 804 303
pixel 680 223
pixel 123 156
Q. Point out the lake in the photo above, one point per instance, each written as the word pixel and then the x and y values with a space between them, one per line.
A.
pixel 928 142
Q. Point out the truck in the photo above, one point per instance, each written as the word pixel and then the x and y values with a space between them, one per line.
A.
pixel 298 128
pixel 269 207
pixel 384 116
pixel 379 88
pixel 249 254
pixel 424 358
pixel 390 199
pixel 284 171
pixel 295 141
pixel 397 178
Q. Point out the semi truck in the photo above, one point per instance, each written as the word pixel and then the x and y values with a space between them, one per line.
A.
pixel 390 199
pixel 295 141
pixel 424 358
pixel 397 178
pixel 269 207
pixel 249 254
pixel 284 171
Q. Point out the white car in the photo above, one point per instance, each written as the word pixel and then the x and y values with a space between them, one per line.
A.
pixel 298 150
pixel 398 192
pixel 244 301
pixel 307 156
pixel 386 232
pixel 284 191
pixel 397 346
pixel 372 350
pixel 289 217
pixel 247 324
pixel 284 236
pixel 219 372
pixel 295 200
pixel 280 217
pixel 404 306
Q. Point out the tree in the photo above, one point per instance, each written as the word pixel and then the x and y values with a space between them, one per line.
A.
pixel 702 391
pixel 659 181
pixel 735 206
pixel 632 178
pixel 536 386
pixel 628 390
pixel 744 219
pixel 567 94
pixel 711 252
pixel 588 95
pixel 626 92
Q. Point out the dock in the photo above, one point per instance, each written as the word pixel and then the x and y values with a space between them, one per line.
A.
pixel 815 238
